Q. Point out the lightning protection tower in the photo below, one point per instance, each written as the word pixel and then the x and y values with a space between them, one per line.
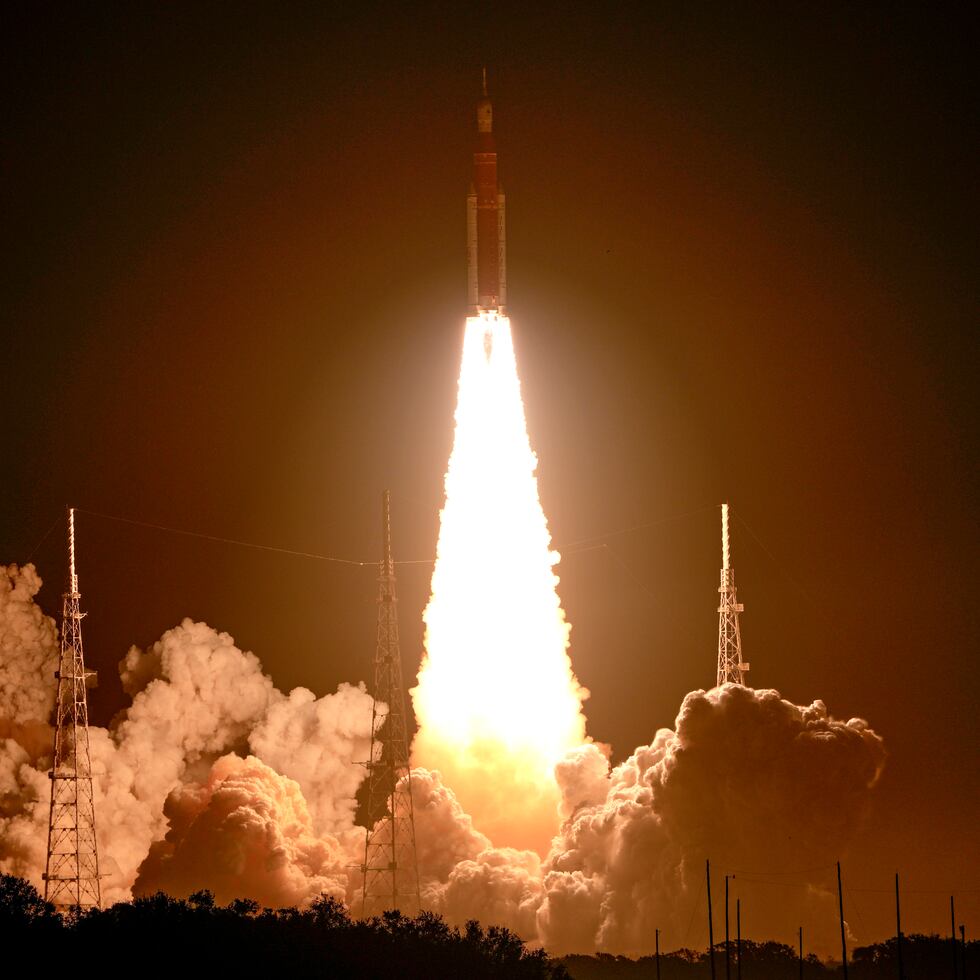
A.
pixel 71 877
pixel 731 668
pixel 391 879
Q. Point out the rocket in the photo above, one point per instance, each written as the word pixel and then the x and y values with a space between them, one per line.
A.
pixel 486 242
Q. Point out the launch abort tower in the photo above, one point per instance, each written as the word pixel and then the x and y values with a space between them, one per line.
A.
pixel 486 241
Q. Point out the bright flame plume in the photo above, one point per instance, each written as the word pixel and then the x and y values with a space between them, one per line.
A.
pixel 497 701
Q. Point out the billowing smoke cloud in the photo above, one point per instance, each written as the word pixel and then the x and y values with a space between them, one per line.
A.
pixel 28 659
pixel 196 697
pixel 445 835
pixel 745 778
pixel 28 648
pixel 251 829
pixel 214 778
pixel 463 876
pixel 315 741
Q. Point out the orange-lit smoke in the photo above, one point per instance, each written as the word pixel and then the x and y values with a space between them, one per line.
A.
pixel 497 702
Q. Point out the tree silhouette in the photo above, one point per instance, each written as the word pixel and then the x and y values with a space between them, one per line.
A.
pixel 196 936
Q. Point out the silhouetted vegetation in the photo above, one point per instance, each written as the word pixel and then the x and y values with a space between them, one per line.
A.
pixel 196 937
pixel 760 961
pixel 923 958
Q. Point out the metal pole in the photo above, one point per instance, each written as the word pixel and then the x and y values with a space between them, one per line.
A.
pixel 711 930
pixel 898 930
pixel 658 953
pixel 738 938
pixel 728 958
pixel 801 952
pixel 952 932
pixel 840 904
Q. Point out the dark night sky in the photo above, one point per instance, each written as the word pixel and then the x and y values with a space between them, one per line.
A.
pixel 740 260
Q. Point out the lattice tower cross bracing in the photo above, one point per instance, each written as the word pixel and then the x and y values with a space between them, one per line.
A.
pixel 391 879
pixel 71 876
pixel 731 668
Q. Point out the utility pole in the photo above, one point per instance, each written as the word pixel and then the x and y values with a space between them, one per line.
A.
pixel 71 874
pixel 840 905
pixel 728 958
pixel 801 952
pixel 731 669
pixel 898 930
pixel 738 938
pixel 711 930
pixel 657 941
pixel 952 933
pixel 391 879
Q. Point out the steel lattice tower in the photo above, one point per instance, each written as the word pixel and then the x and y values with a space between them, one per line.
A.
pixel 731 669
pixel 71 877
pixel 391 879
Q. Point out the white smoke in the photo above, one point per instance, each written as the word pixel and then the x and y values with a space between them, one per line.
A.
pixel 214 778
pixel 200 697
pixel 28 648
pixel 746 779
pixel 25 793
pixel 315 741
pixel 28 659
pixel 251 829
pixel 444 832
pixel 196 697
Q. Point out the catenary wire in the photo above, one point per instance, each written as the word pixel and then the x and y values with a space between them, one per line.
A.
pixel 594 543
pixel 248 544
pixel 44 537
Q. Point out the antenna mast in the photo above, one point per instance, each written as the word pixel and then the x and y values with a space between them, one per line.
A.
pixel 71 876
pixel 391 879
pixel 731 668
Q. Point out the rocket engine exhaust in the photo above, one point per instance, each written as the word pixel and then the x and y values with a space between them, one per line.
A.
pixel 497 703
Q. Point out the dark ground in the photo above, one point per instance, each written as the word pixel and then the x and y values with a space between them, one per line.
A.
pixel 197 937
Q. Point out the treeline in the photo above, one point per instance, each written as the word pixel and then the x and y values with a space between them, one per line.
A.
pixel 196 938
pixel 923 958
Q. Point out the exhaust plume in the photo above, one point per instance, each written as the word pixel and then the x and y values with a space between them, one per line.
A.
pixel 497 701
